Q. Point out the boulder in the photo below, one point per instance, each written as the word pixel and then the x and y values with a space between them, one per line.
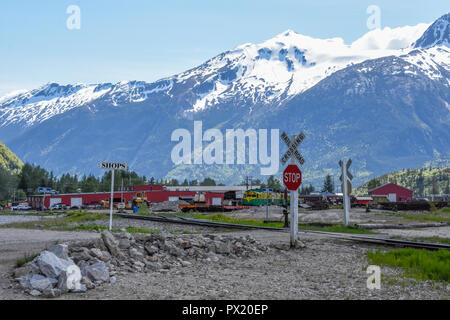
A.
pixel 35 282
pixel 22 271
pixel 222 247
pixel 35 293
pixel 96 272
pixel 124 244
pixel 136 254
pixel 87 282
pixel 69 279
pixel 82 255
pixel 110 243
pixel 50 265
pixel 61 251
pixel 150 248
pixel 51 293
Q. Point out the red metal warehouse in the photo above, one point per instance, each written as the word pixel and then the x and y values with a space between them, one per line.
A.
pixel 153 193
pixel 393 192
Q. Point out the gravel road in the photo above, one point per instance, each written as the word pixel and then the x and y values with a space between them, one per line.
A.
pixel 442 232
pixel 325 269
pixel 5 219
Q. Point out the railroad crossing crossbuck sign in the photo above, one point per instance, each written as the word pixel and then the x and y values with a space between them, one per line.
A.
pixel 292 145
pixel 292 178
pixel 347 174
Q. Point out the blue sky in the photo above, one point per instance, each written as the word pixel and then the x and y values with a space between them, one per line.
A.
pixel 148 40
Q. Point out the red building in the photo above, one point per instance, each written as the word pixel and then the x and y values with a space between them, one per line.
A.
pixel 393 192
pixel 153 194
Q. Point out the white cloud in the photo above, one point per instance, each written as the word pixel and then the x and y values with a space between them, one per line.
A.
pixel 390 39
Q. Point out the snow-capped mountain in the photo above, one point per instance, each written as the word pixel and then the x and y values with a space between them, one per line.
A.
pixel 270 72
pixel 438 34
pixel 331 90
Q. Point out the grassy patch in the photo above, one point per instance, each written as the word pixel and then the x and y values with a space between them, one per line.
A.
pixel 434 239
pixel 26 258
pixel 337 228
pixel 416 263
pixel 141 230
pixel 333 228
pixel 73 220
pixel 219 217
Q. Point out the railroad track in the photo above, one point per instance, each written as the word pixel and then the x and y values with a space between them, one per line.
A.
pixel 343 236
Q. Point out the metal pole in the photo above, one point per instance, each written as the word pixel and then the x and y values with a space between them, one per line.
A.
pixel 345 194
pixel 294 211
pixel 112 198
pixel 43 203
pixel 267 204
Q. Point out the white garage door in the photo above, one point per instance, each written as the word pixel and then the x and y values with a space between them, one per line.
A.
pixel 76 202
pixel 173 198
pixel 216 201
pixel 54 201
pixel 392 197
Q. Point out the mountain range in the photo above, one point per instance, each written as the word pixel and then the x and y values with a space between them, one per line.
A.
pixel 382 101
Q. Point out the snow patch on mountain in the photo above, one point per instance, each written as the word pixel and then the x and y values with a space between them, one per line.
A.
pixel 291 63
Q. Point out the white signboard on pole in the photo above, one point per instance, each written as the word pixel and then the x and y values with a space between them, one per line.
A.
pixel 112 166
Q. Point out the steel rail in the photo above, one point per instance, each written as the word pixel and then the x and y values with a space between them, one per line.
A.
pixel 343 236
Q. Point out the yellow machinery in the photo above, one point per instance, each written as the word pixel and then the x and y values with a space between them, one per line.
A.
pixel 137 199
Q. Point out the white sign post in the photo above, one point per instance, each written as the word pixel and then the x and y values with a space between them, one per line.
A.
pixel 346 187
pixel 44 190
pixel 294 155
pixel 112 166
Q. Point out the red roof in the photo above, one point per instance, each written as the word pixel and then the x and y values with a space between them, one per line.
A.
pixel 389 183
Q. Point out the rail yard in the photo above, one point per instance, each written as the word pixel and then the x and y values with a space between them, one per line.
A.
pixel 164 252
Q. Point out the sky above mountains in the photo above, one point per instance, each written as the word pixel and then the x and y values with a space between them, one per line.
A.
pixel 149 40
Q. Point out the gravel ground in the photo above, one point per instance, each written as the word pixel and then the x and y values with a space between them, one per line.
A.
pixel 442 232
pixel 357 215
pixel 325 269
pixel 5 219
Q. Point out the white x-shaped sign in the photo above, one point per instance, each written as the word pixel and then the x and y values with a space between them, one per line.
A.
pixel 292 145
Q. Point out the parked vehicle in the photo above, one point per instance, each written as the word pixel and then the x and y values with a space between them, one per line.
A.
pixel 58 206
pixel 21 207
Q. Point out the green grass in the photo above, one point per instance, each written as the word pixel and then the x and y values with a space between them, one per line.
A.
pixel 73 220
pixel 219 217
pixel 434 239
pixel 337 228
pixel 416 263
pixel 26 258
pixel 141 230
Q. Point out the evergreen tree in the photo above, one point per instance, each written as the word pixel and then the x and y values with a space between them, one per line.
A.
pixel 328 185
pixel 208 182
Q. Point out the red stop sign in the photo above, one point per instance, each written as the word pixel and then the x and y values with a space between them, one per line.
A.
pixel 292 177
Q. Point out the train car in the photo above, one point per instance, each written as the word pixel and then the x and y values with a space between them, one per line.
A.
pixel 257 197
